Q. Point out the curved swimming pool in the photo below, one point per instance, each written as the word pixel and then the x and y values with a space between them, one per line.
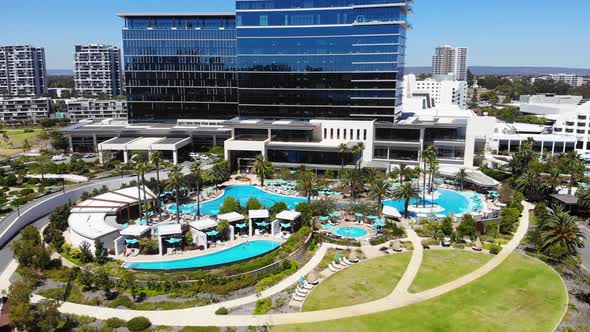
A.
pixel 242 194
pixel 234 254
pixel 451 201
pixel 351 232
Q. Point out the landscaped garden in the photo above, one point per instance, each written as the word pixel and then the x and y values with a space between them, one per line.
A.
pixel 522 294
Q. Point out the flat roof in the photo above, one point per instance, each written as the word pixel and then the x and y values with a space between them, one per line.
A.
pixel 230 217
pixel 565 199
pixel 289 215
pixel 121 140
pixel 258 214
pixel 176 14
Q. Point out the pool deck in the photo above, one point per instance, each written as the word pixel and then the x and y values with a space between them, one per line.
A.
pixel 197 253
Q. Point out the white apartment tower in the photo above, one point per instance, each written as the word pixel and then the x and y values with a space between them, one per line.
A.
pixel 97 70
pixel 571 79
pixel 450 60
pixel 23 71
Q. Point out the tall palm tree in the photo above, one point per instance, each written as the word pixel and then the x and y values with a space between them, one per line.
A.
pixel 461 177
pixel 174 182
pixel 358 150
pixel 380 189
pixel 583 197
pixel 262 168
pixel 530 185
pixel 156 159
pixel 219 172
pixel 427 156
pixel 433 171
pixel 561 236
pixel 309 184
pixel 395 174
pixel 572 165
pixel 553 178
pixel 197 173
pixel 406 191
pixel 342 150
pixel 140 168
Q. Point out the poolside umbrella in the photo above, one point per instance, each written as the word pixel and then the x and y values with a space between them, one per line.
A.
pixel 262 223
pixel 173 240
pixel 379 222
pixel 212 233
pixel 337 256
pixel 372 217
pixel 334 215
pixel 359 214
pixel 286 225
pixel 131 241
pixel 324 218
pixel 241 226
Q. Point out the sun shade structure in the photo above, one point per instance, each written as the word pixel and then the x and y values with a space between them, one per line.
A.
pixel 258 214
pixel 324 218
pixel 230 217
pixel 169 229
pixel 391 212
pixel 212 233
pixel 262 224
pixel 203 224
pixel 135 230
pixel 289 215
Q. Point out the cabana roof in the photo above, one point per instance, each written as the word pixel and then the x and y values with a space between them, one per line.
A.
pixel 135 230
pixel 231 217
pixel 289 215
pixel 203 224
pixel 258 214
pixel 391 212
pixel 169 229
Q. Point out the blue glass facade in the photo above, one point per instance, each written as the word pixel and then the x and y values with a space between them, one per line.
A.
pixel 332 59
pixel 180 67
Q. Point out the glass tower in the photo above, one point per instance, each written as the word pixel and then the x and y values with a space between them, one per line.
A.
pixel 330 59
pixel 180 66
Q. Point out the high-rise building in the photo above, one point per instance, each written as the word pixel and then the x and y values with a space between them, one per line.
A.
pixel 440 90
pixel 571 79
pixel 22 71
pixel 97 70
pixel 450 60
pixel 83 108
pixel 180 66
pixel 337 59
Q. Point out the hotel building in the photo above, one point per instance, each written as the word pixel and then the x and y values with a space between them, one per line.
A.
pixel 97 70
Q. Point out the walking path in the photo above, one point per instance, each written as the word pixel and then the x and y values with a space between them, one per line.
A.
pixel 205 316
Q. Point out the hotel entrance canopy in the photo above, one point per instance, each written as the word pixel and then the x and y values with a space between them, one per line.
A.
pixel 127 144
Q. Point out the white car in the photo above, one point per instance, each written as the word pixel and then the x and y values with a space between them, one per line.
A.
pixel 88 156
pixel 204 158
pixel 195 155
pixel 59 157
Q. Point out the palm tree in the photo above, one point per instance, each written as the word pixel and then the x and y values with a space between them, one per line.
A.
pixel 583 197
pixel 433 170
pixel 358 150
pixel 197 173
pixel 373 175
pixel 573 166
pixel 406 191
pixel 427 155
pixel 553 178
pixel 379 190
pixel 461 177
pixel 156 159
pixel 174 182
pixel 561 236
pixel 140 169
pixel 530 185
pixel 308 183
pixel 342 150
pixel 262 168
pixel 219 172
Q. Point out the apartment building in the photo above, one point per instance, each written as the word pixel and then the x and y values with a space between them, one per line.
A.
pixel 87 108
pixel 448 59
pixel 97 70
pixel 23 71
pixel 23 110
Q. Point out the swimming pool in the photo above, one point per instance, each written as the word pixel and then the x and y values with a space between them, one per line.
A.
pixel 353 232
pixel 451 201
pixel 242 194
pixel 234 254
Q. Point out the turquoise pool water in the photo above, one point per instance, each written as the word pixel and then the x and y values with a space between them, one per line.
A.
pixel 353 232
pixel 237 253
pixel 452 201
pixel 242 194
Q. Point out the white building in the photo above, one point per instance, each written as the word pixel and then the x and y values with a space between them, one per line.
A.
pixel 576 125
pixel 14 111
pixel 22 71
pixel 440 90
pixel 97 70
pixel 450 60
pixel 571 79
pixel 85 108
pixel 549 105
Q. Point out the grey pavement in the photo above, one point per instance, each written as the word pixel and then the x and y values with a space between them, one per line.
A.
pixel 585 252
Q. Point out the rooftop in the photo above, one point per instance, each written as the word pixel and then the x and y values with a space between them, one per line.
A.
pixel 215 14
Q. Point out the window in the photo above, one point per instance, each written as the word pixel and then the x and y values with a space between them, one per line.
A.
pixel 263 19
pixel 331 133
pixel 358 134
pixel 338 134
pixel 365 135
pixel 351 134
pixel 325 133
pixel 344 132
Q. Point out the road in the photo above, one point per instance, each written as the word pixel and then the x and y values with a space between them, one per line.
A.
pixel 585 252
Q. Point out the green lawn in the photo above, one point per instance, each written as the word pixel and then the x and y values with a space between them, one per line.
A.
pixel 14 143
pixel 364 282
pixel 520 295
pixel 442 266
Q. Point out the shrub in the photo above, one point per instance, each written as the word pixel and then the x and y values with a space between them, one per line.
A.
pixel 138 324
pixel 495 249
pixel 32 181
pixel 253 204
pixel 230 204
pixel 149 246
pixel 263 306
pixel 115 322
pixel 430 242
pixel 222 311
pixel 458 245
pixel 121 301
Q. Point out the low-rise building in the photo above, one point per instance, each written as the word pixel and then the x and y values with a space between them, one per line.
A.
pixel 82 108
pixel 15 111
pixel 571 79
pixel 440 90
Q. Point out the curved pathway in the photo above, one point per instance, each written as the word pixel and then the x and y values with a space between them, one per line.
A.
pixel 400 297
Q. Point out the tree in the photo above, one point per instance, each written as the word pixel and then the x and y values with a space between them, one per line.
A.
pixel 583 195
pixel 41 166
pixel 219 172
pixel 572 165
pixel 26 145
pixel 262 168
pixel 529 184
pixel 156 159
pixel 174 182
pixel 470 77
pixel 253 204
pixel 461 177
pixel 406 191
pixel 492 229
pixel 561 237
pixel 447 226
pixel 86 279
pixel 308 184
pixel 521 160
pixel 141 168
pixel 29 251
pixel 508 218
pixel 59 141
pixel 100 252
pixel 104 283
pixel 400 172
pixel 427 156
pixel 277 208
pixel 379 190
pixel 230 204
pixel 197 174
pixel 85 253
pixel 342 150
pixel 20 309
pixel 306 212
pixel 223 227
pixel 467 228
pixel 47 315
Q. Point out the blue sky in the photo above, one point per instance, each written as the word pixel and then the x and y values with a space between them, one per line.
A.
pixel 497 32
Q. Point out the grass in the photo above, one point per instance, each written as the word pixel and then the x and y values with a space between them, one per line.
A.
pixel 16 137
pixel 364 282
pixel 442 266
pixel 521 295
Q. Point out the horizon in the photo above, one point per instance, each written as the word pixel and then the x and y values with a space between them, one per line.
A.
pixel 519 40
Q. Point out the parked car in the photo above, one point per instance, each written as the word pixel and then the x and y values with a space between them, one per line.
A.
pixel 203 157
pixel 58 157
pixel 88 156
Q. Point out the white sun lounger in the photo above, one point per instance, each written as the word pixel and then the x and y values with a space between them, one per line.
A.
pixel 347 261
pixel 333 269
pixel 336 265
pixel 306 286
pixel 342 262
pixel 300 293
pixel 298 298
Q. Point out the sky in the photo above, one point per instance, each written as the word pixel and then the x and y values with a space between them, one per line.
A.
pixel 543 33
